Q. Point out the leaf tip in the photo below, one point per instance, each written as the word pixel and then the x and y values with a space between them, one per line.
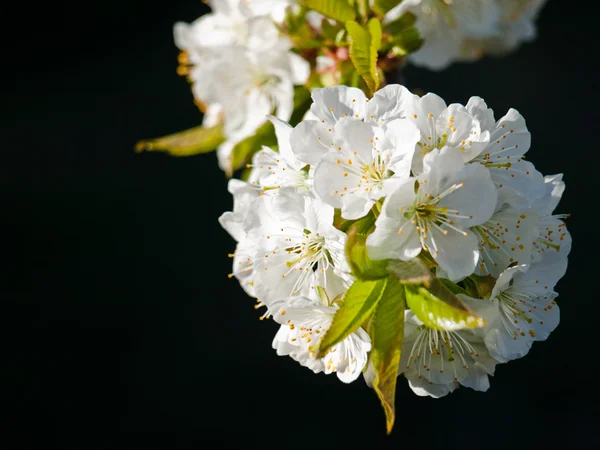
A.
pixel 140 146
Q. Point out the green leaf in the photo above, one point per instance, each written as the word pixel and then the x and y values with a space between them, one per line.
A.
pixel 243 151
pixel 408 41
pixel 411 272
pixel 438 308
pixel 334 9
pixel 185 143
pixel 383 6
pixel 430 299
pixel 328 30
pixel 363 9
pixel 387 333
pixel 364 45
pixel 401 24
pixel 357 255
pixel 359 302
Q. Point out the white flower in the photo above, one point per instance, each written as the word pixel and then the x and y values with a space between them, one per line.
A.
pixel 453 126
pixel 242 70
pixel 275 8
pixel 244 195
pixel 506 238
pixel 304 322
pixel 273 170
pixel 366 164
pixel 450 198
pixel 517 180
pixel 296 245
pixel 315 136
pixel 445 24
pixel 248 86
pixel 521 309
pixel 435 361
pixel 554 241
pixel 515 25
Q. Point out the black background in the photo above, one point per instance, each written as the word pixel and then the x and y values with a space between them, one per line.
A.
pixel 121 327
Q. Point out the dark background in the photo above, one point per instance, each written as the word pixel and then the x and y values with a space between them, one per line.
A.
pixel 121 327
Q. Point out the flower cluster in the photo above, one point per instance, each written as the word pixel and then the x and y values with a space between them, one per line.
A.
pixel 241 67
pixel 464 30
pixel 245 58
pixel 446 184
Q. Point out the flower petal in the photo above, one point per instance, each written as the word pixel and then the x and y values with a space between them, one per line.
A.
pixel 334 103
pixel 310 140
pixel 389 103
pixel 283 131
pixel 454 251
pixel 424 388
pixel 480 111
pixel 387 241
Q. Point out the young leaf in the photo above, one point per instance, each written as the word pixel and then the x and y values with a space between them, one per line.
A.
pixel 383 6
pixel 361 265
pixel 359 302
pixel 339 10
pixel 364 45
pixel 185 143
pixel 440 314
pixel 387 333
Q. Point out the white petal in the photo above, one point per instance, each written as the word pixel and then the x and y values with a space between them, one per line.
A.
pixel 555 188
pixel 518 184
pixel 334 103
pixel 477 379
pixel 355 137
pixel 395 204
pixel 463 131
pixel 456 253
pixel 330 179
pixel 510 136
pixel 505 278
pixel 440 168
pixel 403 136
pixel 476 199
pixel 387 242
pixel 283 131
pixel 480 111
pixel 506 238
pixel 424 388
pixel 310 140
pixel 356 206
pixel 389 103
pixel 554 242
